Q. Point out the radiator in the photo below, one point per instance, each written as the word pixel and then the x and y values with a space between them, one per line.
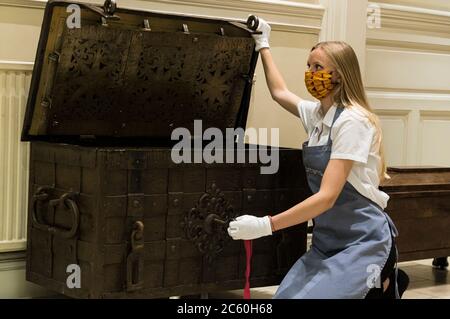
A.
pixel 14 155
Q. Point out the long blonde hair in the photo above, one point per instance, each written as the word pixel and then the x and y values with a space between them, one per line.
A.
pixel 350 91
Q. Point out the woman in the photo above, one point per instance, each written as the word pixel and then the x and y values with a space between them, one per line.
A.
pixel 353 253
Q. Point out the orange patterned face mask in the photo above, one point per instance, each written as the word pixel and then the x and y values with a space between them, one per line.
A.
pixel 318 83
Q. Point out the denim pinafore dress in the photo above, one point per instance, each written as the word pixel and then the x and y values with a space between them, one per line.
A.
pixel 350 244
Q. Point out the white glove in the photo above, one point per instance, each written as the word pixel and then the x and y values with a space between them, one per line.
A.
pixel 250 227
pixel 262 40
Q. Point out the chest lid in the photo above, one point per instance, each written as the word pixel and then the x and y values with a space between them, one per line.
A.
pixel 117 73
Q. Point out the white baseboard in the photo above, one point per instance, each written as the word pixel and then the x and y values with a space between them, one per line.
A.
pixel 12 278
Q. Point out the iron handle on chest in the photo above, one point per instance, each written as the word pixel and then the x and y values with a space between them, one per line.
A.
pixel 67 201
pixel 107 11
pixel 212 222
pixel 253 23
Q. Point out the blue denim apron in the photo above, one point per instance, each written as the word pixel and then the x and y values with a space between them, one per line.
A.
pixel 350 244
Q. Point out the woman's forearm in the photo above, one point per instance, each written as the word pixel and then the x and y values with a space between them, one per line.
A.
pixel 277 86
pixel 308 209
pixel 274 79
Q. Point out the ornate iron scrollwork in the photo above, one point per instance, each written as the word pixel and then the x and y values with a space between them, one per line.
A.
pixel 206 223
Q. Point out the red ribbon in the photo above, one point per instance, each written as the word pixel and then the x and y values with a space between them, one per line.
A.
pixel 248 254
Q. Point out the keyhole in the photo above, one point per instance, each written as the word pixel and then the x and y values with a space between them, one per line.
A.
pixel 135 277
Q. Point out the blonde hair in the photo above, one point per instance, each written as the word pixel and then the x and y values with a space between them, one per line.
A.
pixel 350 91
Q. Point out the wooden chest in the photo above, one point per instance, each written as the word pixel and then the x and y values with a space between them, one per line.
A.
pixel 419 205
pixel 105 196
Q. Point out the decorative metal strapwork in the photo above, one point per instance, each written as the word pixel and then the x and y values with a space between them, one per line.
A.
pixel 206 223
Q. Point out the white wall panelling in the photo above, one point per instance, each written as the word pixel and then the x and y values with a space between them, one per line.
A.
pixel 407 69
pixel 406 66
pixel 441 5
pixel 434 138
pixel 395 125
pixel 345 20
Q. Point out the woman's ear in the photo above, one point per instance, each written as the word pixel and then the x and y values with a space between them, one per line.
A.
pixel 337 78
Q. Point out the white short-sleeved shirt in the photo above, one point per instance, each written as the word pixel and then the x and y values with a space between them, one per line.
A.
pixel 353 138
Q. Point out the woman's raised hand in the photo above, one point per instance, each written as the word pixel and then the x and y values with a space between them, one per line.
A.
pixel 262 39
